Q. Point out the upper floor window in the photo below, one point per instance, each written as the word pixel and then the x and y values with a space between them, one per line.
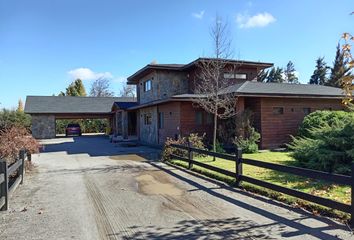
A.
pixel 147 85
pixel 242 76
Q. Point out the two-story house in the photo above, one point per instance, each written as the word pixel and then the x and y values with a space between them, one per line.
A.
pixel 165 106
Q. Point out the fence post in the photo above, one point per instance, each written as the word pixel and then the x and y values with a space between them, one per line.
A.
pixel 352 198
pixel 4 187
pixel 22 167
pixel 29 156
pixel 238 166
pixel 190 155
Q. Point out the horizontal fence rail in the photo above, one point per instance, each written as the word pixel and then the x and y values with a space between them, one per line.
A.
pixel 303 172
pixel 6 190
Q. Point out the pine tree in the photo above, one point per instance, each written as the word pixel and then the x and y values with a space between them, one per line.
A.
pixel 289 73
pixel 339 69
pixel 275 75
pixel 319 76
pixel 262 76
pixel 76 88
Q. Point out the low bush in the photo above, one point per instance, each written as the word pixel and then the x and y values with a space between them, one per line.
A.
pixel 195 140
pixel 13 139
pixel 248 143
pixel 328 145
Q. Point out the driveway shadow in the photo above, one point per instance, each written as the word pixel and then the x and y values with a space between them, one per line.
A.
pixel 95 146
pixel 300 229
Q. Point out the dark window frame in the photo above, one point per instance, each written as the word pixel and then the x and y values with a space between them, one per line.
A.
pixel 161 122
pixel 147 119
pixel 198 118
pixel 148 85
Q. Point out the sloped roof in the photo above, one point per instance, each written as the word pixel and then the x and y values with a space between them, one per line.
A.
pixel 125 105
pixel 182 67
pixel 249 88
pixel 69 104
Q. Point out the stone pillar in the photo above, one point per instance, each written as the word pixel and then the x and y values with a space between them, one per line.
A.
pixel 43 126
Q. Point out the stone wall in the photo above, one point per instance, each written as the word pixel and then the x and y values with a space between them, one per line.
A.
pixel 164 85
pixel 43 126
pixel 148 133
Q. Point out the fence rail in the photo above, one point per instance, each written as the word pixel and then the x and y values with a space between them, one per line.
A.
pixel 6 190
pixel 303 172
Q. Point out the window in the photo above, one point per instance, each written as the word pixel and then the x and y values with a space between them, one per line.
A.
pixel 147 85
pixel 147 119
pixel 161 120
pixel 235 76
pixel 209 118
pixel 306 111
pixel 278 110
pixel 199 118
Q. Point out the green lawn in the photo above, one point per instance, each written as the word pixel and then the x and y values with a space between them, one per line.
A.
pixel 319 188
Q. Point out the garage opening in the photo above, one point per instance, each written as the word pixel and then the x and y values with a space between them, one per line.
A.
pixel 76 127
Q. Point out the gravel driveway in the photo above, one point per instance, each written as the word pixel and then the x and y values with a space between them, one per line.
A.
pixel 88 188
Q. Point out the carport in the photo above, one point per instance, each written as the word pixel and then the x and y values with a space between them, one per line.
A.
pixel 45 110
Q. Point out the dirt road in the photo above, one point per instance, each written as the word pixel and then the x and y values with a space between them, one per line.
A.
pixel 88 188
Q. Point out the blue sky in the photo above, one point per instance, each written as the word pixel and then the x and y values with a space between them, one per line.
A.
pixel 45 44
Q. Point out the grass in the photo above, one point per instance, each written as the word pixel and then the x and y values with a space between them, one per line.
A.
pixel 319 188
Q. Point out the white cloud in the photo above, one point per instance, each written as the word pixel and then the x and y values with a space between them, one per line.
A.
pixel 120 80
pixel 87 74
pixel 199 15
pixel 258 20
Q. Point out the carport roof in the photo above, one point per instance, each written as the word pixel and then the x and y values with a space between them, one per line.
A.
pixel 69 104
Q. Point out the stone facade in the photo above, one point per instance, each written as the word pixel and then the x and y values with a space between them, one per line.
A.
pixel 43 126
pixel 165 84
pixel 148 132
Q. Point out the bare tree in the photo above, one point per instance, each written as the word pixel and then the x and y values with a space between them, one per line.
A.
pixel 128 91
pixel 212 82
pixel 101 88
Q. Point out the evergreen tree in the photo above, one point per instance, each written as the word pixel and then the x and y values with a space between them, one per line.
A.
pixel 275 75
pixel 76 88
pixel 319 76
pixel 262 76
pixel 339 69
pixel 289 73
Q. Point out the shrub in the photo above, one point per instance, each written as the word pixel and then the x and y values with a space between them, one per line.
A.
pixel 322 118
pixel 329 146
pixel 248 143
pixel 195 140
pixel 13 139
pixel 11 118
pixel 219 148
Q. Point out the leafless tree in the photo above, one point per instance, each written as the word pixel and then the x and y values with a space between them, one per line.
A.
pixel 211 84
pixel 128 91
pixel 101 88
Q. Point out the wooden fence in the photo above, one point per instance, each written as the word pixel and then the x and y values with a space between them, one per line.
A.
pixel 240 177
pixel 7 188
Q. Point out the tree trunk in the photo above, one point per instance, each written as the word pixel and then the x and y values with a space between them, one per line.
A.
pixel 214 132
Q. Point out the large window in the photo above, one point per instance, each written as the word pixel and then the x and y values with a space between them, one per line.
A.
pixel 147 85
pixel 242 76
pixel 147 119
pixel 199 118
pixel 161 120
